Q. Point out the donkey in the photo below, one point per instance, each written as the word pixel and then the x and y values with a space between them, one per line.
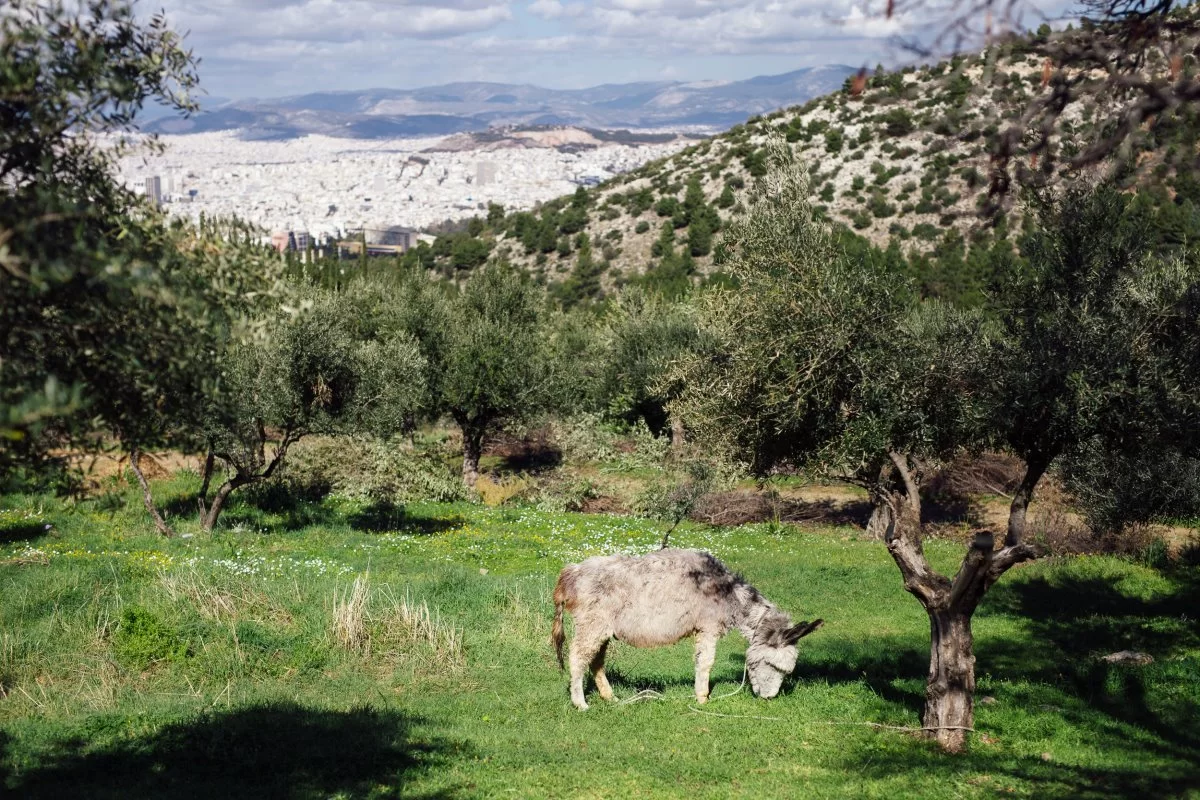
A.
pixel 662 597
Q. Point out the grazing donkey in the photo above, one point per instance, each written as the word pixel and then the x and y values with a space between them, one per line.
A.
pixel 662 597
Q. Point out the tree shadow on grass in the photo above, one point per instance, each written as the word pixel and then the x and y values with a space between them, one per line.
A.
pixel 22 532
pixel 383 517
pixel 1075 621
pixel 1144 720
pixel 281 750
pixel 996 773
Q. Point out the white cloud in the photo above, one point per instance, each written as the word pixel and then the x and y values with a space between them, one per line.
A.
pixel 335 20
pixel 252 46
pixel 549 9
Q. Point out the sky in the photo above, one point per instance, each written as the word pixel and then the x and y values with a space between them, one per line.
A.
pixel 271 48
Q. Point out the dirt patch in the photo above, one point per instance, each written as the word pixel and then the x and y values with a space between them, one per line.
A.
pixel 98 467
pixel 603 505
pixel 744 506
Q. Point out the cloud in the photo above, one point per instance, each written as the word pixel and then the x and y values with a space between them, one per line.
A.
pixel 335 20
pixel 549 9
pixel 269 47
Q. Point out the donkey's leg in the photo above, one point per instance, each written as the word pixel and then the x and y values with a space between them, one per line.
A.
pixel 602 686
pixel 583 648
pixel 706 653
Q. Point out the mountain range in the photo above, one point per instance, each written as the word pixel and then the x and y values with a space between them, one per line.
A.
pixel 463 107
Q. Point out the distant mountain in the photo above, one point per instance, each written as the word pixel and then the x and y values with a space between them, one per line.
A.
pixel 463 107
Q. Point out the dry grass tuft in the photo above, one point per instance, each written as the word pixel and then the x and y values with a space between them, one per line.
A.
pixel 209 601
pixel 406 624
pixel 350 616
pixel 498 492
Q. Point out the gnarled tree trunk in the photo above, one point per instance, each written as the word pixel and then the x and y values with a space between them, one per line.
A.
pixel 950 690
pixel 1035 468
pixel 209 517
pixel 472 436
pixel 135 463
pixel 244 474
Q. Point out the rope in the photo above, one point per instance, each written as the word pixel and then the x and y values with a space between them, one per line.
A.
pixel 731 716
pixel 644 694
pixel 738 689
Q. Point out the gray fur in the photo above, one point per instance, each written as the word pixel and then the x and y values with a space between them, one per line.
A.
pixel 662 597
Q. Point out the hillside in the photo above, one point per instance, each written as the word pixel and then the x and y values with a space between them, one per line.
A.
pixel 903 163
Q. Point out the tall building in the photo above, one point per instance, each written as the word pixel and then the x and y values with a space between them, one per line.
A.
pixel 154 190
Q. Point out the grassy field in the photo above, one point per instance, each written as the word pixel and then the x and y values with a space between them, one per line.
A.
pixel 211 666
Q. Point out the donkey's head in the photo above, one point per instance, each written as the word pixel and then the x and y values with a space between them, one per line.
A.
pixel 772 652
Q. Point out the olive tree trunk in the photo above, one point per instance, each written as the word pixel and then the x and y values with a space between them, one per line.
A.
pixel 249 470
pixel 135 463
pixel 472 451
pixel 678 434
pixel 950 689
pixel 1034 470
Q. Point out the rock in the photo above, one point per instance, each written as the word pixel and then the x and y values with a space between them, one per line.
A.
pixel 987 700
pixel 1129 657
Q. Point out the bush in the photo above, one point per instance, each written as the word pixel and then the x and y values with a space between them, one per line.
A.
pixel 372 469
pixel 585 437
pixel 898 122
pixel 642 227
pixel 880 207
pixel 1115 493
pixel 141 639
pixel 834 140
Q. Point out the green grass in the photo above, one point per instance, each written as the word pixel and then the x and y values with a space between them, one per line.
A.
pixel 134 666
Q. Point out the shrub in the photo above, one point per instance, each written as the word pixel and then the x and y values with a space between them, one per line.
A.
pixel 372 469
pixel 642 227
pixel 898 122
pixel 141 639
pixel 925 231
pixel 880 207
pixel 667 206
pixel 834 140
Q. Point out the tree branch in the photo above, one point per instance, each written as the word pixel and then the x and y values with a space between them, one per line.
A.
pixel 972 581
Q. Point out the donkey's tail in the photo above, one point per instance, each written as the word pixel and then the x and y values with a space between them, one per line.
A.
pixel 565 581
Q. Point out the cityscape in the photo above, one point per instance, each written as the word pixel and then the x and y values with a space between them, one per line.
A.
pixel 323 187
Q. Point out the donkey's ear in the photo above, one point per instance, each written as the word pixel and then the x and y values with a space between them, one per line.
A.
pixel 800 630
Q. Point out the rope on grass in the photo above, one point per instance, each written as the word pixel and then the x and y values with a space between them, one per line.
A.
pixel 644 694
pixel 903 727
pixel 731 716
pixel 735 691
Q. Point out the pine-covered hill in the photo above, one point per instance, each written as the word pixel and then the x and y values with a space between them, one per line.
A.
pixel 901 161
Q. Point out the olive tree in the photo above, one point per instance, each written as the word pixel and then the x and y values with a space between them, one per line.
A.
pixel 825 361
pixel 311 375
pixel 1097 353
pixel 485 350
pixel 75 258
pixel 642 336
pixel 108 314
pixel 829 363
